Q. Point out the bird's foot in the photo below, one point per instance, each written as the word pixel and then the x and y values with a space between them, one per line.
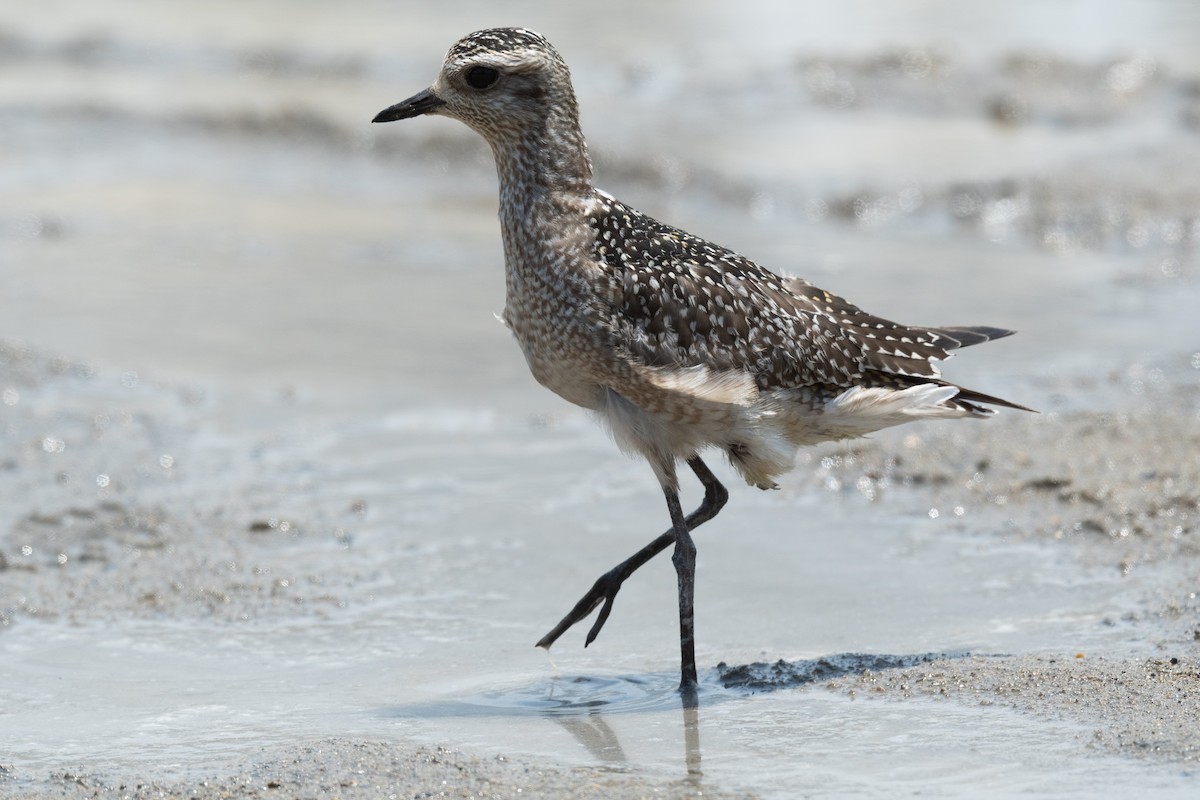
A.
pixel 603 590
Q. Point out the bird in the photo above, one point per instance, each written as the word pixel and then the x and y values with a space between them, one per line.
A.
pixel 676 344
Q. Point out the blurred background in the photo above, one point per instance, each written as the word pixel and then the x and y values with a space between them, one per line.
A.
pixel 192 190
pixel 273 472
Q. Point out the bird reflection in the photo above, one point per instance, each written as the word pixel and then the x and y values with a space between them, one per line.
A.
pixel 691 743
pixel 583 706
pixel 595 735
pixel 593 732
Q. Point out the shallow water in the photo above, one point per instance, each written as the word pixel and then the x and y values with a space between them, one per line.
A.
pixel 289 478
pixel 406 620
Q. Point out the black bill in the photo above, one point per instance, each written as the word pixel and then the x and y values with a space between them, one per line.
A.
pixel 420 103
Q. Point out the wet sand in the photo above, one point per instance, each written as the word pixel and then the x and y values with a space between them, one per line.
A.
pixel 1116 490
pixel 263 536
pixel 357 769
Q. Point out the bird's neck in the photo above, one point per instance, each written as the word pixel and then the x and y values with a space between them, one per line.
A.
pixel 546 198
pixel 543 165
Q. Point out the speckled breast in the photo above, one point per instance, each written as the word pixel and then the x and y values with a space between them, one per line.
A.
pixel 559 333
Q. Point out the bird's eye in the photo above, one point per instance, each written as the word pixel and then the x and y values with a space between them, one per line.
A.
pixel 481 77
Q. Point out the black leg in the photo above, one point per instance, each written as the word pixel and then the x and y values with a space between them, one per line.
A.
pixel 606 587
pixel 684 560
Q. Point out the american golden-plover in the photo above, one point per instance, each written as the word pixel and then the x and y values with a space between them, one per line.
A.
pixel 677 344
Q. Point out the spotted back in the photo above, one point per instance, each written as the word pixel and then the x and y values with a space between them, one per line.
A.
pixel 676 299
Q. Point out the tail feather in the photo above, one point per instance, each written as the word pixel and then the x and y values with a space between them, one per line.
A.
pixel 967 398
pixel 967 335
pixel 962 397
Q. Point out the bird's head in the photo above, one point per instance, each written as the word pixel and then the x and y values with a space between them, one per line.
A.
pixel 502 82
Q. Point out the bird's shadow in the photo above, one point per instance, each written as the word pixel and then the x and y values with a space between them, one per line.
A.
pixel 580 704
pixel 560 696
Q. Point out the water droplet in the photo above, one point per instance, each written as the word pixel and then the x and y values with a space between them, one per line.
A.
pixel 30 225
pixel 916 63
pixel 762 206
